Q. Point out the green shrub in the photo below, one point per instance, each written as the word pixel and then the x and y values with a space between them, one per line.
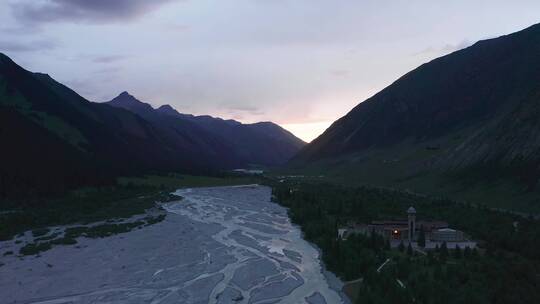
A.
pixel 153 220
pixel 74 232
pixel 34 248
pixel 64 241
pixel 40 232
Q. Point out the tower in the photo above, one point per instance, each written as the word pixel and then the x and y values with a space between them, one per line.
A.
pixel 411 219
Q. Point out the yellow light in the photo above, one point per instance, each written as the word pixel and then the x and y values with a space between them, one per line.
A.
pixel 395 231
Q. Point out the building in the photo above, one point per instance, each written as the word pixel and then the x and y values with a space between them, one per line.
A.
pixel 408 229
pixel 411 221
pixel 391 229
pixel 446 235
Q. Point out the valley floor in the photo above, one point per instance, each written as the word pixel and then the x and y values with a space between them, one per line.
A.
pixel 217 245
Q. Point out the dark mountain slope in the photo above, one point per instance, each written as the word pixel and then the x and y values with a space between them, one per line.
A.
pixel 471 113
pixel 450 92
pixel 53 139
pixel 262 143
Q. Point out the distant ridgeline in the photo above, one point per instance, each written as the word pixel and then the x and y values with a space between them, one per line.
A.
pixel 465 124
pixel 53 139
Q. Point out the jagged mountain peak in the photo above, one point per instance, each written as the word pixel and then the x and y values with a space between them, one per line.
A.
pixel 168 110
pixel 129 102
pixel 126 96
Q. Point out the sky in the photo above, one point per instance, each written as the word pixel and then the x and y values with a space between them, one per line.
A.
pixel 299 63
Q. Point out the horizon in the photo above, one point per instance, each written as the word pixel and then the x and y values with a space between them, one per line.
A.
pixel 302 73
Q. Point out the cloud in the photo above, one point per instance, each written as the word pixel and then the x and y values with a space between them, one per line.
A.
pixel 15 30
pixel 454 47
pixel 176 27
pixel 340 72
pixel 40 11
pixel 243 108
pixel 36 45
pixel 240 110
pixel 108 70
pixel 448 48
pixel 108 59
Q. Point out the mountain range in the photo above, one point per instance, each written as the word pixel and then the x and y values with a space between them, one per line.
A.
pixel 263 143
pixel 465 125
pixel 53 139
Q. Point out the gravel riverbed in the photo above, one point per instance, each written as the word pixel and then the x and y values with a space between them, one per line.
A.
pixel 216 245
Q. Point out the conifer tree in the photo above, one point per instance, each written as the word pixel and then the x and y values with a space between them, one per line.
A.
pixel 457 252
pixel 430 258
pixel 401 246
pixel 443 252
pixel 387 244
pixel 422 238
pixel 467 252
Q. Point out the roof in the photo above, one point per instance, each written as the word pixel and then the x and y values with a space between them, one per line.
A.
pixel 446 230
pixel 411 210
pixel 390 222
pixel 430 225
